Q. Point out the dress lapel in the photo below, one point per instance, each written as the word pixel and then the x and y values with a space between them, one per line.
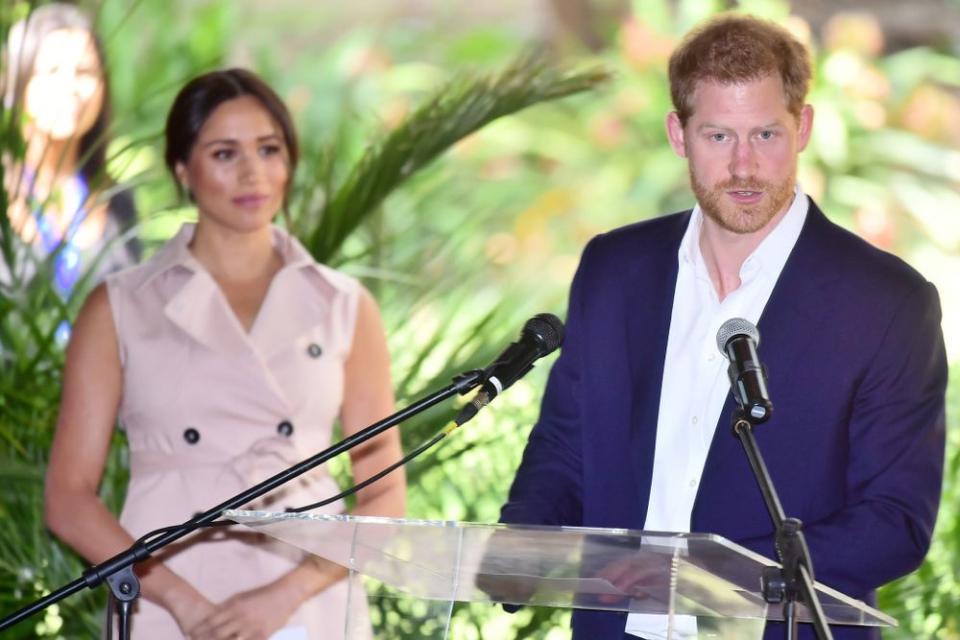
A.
pixel 292 308
pixel 199 308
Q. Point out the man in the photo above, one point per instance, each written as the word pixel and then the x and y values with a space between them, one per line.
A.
pixel 634 428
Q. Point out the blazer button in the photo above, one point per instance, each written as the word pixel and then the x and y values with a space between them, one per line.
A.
pixel 191 435
pixel 314 350
pixel 285 428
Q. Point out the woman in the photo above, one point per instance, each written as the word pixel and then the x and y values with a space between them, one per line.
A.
pixel 62 202
pixel 227 357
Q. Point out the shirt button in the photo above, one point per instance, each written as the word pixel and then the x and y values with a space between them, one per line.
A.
pixel 191 435
pixel 285 428
pixel 711 357
pixel 314 350
pixel 693 483
pixel 694 420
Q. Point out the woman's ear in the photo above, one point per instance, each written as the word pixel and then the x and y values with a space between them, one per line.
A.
pixel 180 170
pixel 183 180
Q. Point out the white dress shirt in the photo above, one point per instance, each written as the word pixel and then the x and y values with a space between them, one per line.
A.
pixel 695 383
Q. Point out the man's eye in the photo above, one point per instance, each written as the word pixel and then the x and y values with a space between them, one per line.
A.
pixel 718 137
pixel 767 135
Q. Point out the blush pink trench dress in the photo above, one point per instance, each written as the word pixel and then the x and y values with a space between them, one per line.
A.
pixel 210 409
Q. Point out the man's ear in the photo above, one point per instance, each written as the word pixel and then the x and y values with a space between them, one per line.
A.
pixel 675 134
pixel 805 126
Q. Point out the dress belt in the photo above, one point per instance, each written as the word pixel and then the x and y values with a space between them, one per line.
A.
pixel 265 457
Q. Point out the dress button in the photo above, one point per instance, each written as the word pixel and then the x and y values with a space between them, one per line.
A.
pixel 191 435
pixel 314 350
pixel 285 428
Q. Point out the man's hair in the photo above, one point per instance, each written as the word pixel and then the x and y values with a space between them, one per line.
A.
pixel 733 49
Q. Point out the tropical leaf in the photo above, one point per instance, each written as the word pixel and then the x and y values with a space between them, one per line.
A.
pixel 453 112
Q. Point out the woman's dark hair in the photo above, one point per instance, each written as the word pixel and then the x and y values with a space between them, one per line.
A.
pixel 202 95
pixel 23 43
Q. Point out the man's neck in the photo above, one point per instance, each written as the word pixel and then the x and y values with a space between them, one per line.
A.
pixel 725 251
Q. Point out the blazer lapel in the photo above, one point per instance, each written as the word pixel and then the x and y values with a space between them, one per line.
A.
pixel 788 324
pixel 649 308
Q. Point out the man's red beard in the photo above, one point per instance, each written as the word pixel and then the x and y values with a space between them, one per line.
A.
pixel 731 216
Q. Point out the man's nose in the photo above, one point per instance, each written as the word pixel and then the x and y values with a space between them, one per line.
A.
pixel 743 161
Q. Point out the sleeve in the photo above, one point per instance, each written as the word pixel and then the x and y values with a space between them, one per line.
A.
pixel 896 456
pixel 548 488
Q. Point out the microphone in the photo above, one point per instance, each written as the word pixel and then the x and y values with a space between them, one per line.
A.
pixel 737 339
pixel 541 335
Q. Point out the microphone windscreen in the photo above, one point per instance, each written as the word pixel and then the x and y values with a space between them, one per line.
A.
pixel 736 327
pixel 547 328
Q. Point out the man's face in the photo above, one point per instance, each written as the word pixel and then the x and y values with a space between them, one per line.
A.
pixel 741 145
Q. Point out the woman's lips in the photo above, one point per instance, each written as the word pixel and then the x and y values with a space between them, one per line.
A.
pixel 251 201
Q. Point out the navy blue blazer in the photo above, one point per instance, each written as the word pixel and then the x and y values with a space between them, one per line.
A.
pixel 857 373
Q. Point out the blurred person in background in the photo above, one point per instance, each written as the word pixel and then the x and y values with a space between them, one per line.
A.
pixel 226 357
pixel 63 205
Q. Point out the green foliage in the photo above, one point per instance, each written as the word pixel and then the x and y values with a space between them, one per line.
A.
pixel 452 113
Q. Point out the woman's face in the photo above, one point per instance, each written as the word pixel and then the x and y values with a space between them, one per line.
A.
pixel 65 94
pixel 238 168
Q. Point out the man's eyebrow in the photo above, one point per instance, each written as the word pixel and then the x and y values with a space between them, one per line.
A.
pixel 710 125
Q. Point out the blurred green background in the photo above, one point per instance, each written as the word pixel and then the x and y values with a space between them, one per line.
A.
pixel 459 175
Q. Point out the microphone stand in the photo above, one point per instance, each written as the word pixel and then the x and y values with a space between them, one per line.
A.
pixel 118 570
pixel 793 582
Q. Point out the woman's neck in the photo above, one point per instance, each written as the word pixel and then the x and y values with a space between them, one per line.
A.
pixel 234 256
pixel 49 161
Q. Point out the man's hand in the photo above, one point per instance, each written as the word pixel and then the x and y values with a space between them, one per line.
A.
pixel 638 576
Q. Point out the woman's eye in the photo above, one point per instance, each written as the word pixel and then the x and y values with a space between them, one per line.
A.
pixel 223 154
pixel 270 149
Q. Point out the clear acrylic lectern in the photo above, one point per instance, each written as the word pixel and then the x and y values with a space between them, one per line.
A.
pixel 705 585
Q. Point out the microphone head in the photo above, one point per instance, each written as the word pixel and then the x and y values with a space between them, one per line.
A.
pixel 547 329
pixel 736 327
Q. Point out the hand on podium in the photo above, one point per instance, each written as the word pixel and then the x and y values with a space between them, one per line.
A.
pixel 641 575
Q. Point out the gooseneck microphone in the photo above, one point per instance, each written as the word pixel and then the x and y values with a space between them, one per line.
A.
pixel 737 339
pixel 541 335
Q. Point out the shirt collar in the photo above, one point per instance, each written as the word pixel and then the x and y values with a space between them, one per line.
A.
pixel 176 254
pixel 773 251
pixel 770 255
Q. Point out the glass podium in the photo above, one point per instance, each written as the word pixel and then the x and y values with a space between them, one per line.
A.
pixel 703 585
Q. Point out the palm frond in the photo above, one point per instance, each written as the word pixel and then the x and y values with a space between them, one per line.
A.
pixel 454 111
